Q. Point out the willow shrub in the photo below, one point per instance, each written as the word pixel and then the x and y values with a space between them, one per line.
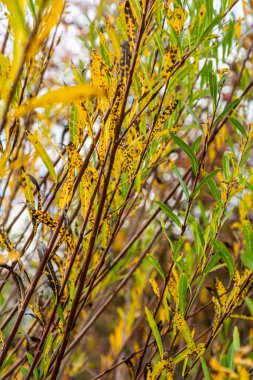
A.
pixel 127 191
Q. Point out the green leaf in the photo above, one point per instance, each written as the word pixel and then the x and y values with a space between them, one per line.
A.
pixel 205 369
pixel 168 212
pixel 249 186
pixel 226 165
pixel 225 255
pixel 205 181
pixel 178 77
pixel 182 183
pixel 187 149
pixel 196 144
pixel 247 256
pixel 227 110
pixel 213 86
pixel 167 236
pixel 249 303
pixel 236 123
pixel 236 339
pixel 214 190
pixel 24 371
pixel 155 331
pixel 29 358
pixel 211 264
pixel 209 29
pixel 73 123
pixel 60 313
pixel 182 292
pixel 198 236
pixel 48 345
pixel 43 154
pixel 9 360
pixel 209 10
pixel 32 8
pixel 30 361
pixel 154 261
pixel 190 110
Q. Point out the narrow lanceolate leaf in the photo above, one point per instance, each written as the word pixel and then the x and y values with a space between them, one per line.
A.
pixel 43 154
pixel 32 8
pixel 225 255
pixel 35 183
pixel 155 331
pixel 49 269
pixel 182 183
pixel 130 367
pixel 67 188
pixel 18 281
pixel 167 112
pixel 125 61
pixel 214 189
pixel 182 292
pixel 17 13
pixel 166 366
pixel 205 369
pixel 155 287
pixel 213 85
pixel 74 156
pixel 247 256
pixel 154 261
pixel 170 58
pixel 196 144
pixel 209 29
pixel 5 242
pixel 227 110
pixel 184 330
pixel 130 25
pixel 204 182
pixel 190 110
pixel 187 149
pixel 63 95
pixel 28 189
pixel 226 165
pixel 211 263
pixel 46 219
pixel 168 212
pixel 236 123
pixel 28 182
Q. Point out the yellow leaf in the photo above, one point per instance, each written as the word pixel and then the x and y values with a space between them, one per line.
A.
pixel 155 287
pixel 17 18
pixel 202 12
pixel 184 329
pixel 50 18
pixel 113 38
pixel 244 374
pixel 43 154
pixel 170 58
pixel 28 189
pixel 238 28
pixel 67 188
pixel 222 294
pixel 1 338
pixel 46 219
pixel 63 95
pixel 5 242
pixel 165 365
pixel 74 156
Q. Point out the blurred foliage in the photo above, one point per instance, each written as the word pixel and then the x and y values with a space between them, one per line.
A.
pixel 126 239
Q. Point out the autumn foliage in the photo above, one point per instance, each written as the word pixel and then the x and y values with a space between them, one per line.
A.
pixel 126 184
